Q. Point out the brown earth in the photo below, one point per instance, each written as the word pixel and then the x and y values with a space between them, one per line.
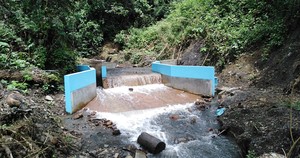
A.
pixel 258 94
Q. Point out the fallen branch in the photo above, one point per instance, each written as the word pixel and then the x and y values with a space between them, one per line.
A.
pixel 7 151
pixel 222 131
pixel 18 76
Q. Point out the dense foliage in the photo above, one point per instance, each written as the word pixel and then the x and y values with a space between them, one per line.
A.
pixel 52 34
pixel 226 28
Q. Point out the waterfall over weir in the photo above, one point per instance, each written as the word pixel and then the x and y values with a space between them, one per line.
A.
pixel 133 80
pixel 138 102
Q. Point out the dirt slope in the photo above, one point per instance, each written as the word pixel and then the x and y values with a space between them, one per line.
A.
pixel 257 94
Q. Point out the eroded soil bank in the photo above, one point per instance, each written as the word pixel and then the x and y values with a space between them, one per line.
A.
pixel 258 95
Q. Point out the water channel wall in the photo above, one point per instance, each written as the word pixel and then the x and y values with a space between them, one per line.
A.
pixel 80 88
pixel 194 79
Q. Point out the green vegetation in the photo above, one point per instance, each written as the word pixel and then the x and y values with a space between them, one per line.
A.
pixel 292 104
pixel 53 34
pixel 226 28
pixel 251 154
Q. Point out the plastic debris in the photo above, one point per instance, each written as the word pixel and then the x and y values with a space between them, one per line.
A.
pixel 220 111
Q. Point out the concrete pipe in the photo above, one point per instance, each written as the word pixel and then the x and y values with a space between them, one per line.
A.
pixel 151 143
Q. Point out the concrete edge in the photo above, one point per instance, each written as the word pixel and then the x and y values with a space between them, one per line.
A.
pixel 183 71
pixel 76 81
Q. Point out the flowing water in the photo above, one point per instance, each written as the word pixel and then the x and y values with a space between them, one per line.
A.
pixel 139 103
pixel 186 137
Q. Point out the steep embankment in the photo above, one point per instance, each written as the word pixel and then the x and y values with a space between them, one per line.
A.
pixel 258 111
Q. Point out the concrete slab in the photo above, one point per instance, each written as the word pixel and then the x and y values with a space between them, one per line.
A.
pixel 121 99
pixel 196 86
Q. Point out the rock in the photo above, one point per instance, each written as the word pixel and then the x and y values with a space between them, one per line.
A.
pixel 128 156
pixel 116 132
pixel 93 113
pixel 130 89
pixel 14 99
pixel 48 98
pixel 77 115
pixel 106 146
pixel 140 154
pixel 182 140
pixel 199 102
pixel 193 120
pixel 116 155
pixel 108 123
pixel 174 117
pixel 272 155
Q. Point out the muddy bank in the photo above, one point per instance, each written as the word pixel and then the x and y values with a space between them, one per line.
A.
pixel 260 122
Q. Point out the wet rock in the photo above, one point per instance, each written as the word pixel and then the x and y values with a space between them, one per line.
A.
pixel 193 120
pixel 201 104
pixel 48 98
pixel 140 154
pixel 116 132
pixel 93 113
pixel 208 99
pixel 272 155
pixel 77 115
pixel 182 140
pixel 14 99
pixel 174 117
pixel 107 123
pixel 116 155
pixel 128 156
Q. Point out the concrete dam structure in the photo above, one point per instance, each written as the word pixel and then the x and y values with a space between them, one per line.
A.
pixel 171 84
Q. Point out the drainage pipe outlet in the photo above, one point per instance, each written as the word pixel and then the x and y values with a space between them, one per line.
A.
pixel 151 143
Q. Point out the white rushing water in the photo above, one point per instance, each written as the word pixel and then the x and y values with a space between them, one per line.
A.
pixel 185 137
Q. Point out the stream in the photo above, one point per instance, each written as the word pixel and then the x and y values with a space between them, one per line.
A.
pixel 187 131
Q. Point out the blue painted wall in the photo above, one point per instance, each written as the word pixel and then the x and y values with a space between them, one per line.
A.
pixel 104 71
pixel 75 81
pixel 180 71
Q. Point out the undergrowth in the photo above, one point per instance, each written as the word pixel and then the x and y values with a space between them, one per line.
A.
pixel 226 28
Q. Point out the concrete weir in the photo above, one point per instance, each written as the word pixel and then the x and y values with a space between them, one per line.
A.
pixel 170 84
pixel 195 79
pixel 80 88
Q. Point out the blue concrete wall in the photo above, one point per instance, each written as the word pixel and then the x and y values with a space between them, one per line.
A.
pixel 192 72
pixel 104 71
pixel 78 81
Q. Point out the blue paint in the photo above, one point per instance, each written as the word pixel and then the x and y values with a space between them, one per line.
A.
pixel 104 71
pixel 83 67
pixel 78 80
pixel 180 71
pixel 216 81
pixel 81 79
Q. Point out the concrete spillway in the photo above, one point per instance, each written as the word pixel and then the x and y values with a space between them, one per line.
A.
pixel 137 100
pixel 80 87
pixel 121 99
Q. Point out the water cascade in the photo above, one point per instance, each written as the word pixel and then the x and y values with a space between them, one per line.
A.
pixel 187 131
pixel 140 103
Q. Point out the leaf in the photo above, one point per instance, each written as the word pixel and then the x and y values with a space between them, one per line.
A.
pixel 4 45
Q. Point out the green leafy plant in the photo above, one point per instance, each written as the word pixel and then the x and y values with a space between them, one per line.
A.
pixel 14 85
pixel 251 154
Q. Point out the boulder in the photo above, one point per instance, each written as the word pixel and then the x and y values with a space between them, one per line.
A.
pixel 15 99
pixel 48 98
